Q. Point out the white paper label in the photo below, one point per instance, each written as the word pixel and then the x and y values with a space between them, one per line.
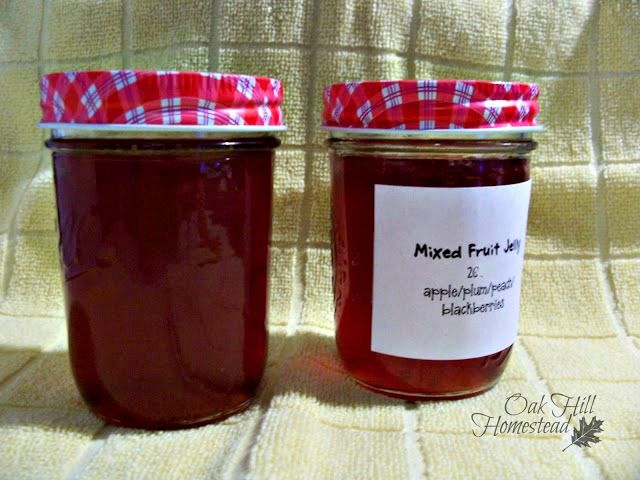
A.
pixel 447 270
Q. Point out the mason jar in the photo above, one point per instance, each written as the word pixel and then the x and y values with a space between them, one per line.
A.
pixel 163 190
pixel 430 195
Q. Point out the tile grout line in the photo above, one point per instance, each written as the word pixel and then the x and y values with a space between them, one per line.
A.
pixel 242 467
pixel 48 348
pixel 329 331
pixel 97 440
pixel 579 256
pixel 9 378
pixel 561 256
pixel 243 447
pixel 127 34
pixel 213 59
pixel 84 460
pixel 299 285
pixel 12 235
pixel 415 460
pixel 587 461
pixel 599 167
pixel 55 408
pixel 37 233
pixel 569 337
pixel 44 32
pixel 12 231
pixel 531 368
pixel 511 34
pixel 436 60
pixel 31 315
pixel 414 457
pixel 413 38
pixel 21 153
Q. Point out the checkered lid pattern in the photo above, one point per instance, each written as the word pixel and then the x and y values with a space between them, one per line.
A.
pixel 129 97
pixel 430 104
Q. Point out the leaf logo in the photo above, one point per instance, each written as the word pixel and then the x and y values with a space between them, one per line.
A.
pixel 586 433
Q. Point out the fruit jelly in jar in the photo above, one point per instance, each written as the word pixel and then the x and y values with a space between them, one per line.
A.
pixel 430 193
pixel 353 178
pixel 164 252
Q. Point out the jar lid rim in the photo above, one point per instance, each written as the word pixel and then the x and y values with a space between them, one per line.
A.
pixel 434 81
pixel 124 127
pixel 433 133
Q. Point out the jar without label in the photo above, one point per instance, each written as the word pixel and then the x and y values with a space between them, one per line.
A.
pixel 163 190
pixel 430 194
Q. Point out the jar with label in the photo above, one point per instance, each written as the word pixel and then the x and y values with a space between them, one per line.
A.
pixel 430 195
pixel 163 191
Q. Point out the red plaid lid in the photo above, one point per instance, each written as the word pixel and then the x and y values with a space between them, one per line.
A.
pixel 430 105
pixel 129 97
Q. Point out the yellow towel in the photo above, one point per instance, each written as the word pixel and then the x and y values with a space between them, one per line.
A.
pixel 580 327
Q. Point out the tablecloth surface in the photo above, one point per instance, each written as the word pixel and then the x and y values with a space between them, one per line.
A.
pixel 580 315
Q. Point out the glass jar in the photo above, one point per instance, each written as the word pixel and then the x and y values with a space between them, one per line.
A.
pixel 429 211
pixel 164 232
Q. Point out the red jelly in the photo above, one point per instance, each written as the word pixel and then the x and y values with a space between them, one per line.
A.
pixel 428 243
pixel 164 248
